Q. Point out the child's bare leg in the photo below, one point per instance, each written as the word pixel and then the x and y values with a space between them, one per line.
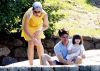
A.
pixel 78 60
pixel 70 61
pixel 83 56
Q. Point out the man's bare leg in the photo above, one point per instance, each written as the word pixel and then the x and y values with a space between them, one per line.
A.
pixel 70 61
pixel 47 60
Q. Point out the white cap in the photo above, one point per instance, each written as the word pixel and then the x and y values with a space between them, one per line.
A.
pixel 37 5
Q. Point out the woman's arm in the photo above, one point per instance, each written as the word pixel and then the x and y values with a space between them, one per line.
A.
pixel 26 25
pixel 26 30
pixel 45 27
pixel 46 23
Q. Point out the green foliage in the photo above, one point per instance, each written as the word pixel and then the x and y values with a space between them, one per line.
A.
pixel 11 14
pixel 12 11
pixel 53 18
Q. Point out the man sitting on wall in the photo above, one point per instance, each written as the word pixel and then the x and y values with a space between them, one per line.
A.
pixel 61 50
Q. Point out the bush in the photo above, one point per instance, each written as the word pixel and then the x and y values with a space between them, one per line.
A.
pixel 12 12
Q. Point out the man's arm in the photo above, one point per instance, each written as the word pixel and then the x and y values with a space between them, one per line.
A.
pixel 61 59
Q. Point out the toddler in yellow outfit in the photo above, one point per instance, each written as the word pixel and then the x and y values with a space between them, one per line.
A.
pixel 33 29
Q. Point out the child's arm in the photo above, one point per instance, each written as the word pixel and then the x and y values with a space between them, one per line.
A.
pixel 82 55
pixel 82 52
pixel 73 51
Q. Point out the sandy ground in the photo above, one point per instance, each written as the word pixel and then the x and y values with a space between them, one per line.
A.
pixel 92 58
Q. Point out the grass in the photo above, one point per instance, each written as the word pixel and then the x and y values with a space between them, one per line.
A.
pixel 80 19
pixel 73 29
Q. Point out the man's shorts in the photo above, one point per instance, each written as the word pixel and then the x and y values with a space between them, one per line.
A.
pixel 58 63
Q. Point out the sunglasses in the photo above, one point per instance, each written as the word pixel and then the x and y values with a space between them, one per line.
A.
pixel 37 11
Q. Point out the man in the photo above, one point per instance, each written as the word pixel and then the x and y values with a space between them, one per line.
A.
pixel 61 51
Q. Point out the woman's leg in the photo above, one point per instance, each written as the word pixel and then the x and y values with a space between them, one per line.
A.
pixel 40 49
pixel 30 52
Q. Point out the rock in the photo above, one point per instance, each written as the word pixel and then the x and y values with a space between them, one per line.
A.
pixel 45 51
pixel 50 50
pixel 95 68
pixel 49 43
pixel 61 68
pixel 4 51
pixel 17 43
pixel 96 40
pixel 47 69
pixel 96 3
pixel 3 69
pixel 36 55
pixel 8 60
pixel 97 46
pixel 1 46
pixel 57 41
pixel 49 54
pixel 88 45
pixel 24 69
pixel 84 68
pixel 12 68
pixel 55 36
pixel 36 68
pixel 88 38
pixel 53 54
pixel 73 68
pixel 20 52
pixel 22 59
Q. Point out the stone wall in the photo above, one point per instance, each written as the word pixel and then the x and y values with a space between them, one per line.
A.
pixel 54 68
pixel 96 3
pixel 14 49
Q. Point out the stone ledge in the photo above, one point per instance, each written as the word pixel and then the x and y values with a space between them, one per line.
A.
pixel 92 58
pixel 91 63
pixel 53 68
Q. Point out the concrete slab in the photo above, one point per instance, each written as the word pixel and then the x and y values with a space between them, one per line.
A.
pixel 92 58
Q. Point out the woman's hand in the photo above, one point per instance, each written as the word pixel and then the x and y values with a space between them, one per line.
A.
pixel 35 40
pixel 37 33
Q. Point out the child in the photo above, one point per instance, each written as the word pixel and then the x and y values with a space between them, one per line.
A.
pixel 75 50
pixel 33 29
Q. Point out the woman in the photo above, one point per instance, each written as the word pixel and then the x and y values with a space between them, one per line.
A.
pixel 33 29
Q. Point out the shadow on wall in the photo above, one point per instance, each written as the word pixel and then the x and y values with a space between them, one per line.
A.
pixel 94 3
